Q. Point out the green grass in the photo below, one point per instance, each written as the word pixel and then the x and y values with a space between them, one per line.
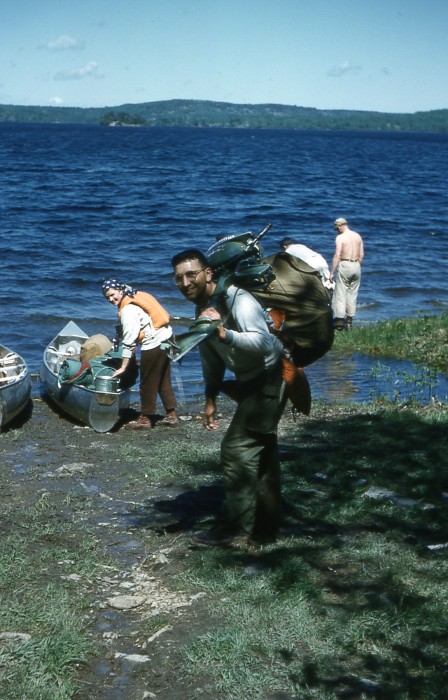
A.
pixel 353 603
pixel 423 340
pixel 168 461
pixel 44 666
pixel 38 551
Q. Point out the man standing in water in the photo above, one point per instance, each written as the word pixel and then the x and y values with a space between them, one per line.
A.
pixel 347 258
pixel 243 344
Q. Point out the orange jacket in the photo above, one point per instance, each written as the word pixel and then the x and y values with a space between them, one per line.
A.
pixel 158 315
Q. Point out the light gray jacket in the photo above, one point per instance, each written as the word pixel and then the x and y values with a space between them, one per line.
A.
pixel 249 348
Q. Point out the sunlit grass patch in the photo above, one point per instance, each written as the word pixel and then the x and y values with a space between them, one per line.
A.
pixel 424 340
pixel 159 462
pixel 42 608
pixel 44 665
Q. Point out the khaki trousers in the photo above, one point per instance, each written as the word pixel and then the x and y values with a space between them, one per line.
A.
pixel 346 290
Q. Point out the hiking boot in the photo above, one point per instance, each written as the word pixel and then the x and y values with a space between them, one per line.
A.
pixel 218 536
pixel 349 323
pixel 339 324
pixel 142 423
pixel 171 420
pixel 261 540
pixel 261 536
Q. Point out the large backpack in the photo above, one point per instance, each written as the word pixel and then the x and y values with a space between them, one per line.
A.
pixel 300 307
pixel 288 287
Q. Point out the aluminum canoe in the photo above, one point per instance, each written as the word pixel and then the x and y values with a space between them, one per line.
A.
pixel 15 385
pixel 99 410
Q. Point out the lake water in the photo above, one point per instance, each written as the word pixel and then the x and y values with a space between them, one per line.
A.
pixel 80 203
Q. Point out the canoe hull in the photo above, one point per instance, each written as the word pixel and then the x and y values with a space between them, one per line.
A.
pixel 15 385
pixel 97 409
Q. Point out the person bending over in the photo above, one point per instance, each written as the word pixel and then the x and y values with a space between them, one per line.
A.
pixel 145 322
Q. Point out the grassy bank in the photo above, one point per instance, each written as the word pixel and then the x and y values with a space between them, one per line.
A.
pixel 351 602
pixel 423 340
pixel 43 638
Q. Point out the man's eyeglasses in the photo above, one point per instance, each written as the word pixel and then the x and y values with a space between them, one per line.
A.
pixel 190 276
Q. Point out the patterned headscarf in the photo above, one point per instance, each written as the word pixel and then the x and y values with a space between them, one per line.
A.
pixel 115 284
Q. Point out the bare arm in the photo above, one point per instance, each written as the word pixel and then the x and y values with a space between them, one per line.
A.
pixel 361 251
pixel 336 257
pixel 124 365
pixel 131 329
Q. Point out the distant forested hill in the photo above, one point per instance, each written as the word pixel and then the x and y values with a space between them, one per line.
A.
pixel 199 113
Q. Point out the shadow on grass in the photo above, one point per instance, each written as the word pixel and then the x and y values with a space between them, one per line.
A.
pixel 363 539
pixel 391 457
pixel 186 510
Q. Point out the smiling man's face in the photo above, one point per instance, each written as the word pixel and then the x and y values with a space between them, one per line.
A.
pixel 193 280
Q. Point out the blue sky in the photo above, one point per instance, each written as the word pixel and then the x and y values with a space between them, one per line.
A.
pixel 383 55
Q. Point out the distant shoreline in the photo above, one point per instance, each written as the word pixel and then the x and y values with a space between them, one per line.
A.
pixel 203 113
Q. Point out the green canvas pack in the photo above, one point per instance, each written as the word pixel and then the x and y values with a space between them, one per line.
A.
pixel 305 321
pixel 84 373
pixel 287 287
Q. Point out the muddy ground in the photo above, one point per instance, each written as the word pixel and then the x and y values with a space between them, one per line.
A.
pixel 78 472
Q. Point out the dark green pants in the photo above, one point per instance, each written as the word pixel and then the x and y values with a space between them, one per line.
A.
pixel 249 457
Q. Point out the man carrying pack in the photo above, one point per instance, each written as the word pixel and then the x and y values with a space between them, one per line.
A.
pixel 242 343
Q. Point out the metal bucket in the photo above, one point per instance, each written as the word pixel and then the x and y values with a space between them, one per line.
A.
pixel 107 385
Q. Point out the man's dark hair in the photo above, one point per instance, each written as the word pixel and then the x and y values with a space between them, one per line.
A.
pixel 190 254
pixel 286 241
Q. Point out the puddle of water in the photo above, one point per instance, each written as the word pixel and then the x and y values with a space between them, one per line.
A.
pixel 342 378
pixel 359 378
pixel 20 468
pixel 107 622
pixel 102 669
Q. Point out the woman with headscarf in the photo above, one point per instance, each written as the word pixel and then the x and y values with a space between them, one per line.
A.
pixel 145 322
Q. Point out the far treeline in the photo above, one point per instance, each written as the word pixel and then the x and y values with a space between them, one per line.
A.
pixel 199 113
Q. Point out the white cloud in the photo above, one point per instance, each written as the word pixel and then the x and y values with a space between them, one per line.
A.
pixel 55 101
pixel 343 69
pixel 63 43
pixel 85 71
